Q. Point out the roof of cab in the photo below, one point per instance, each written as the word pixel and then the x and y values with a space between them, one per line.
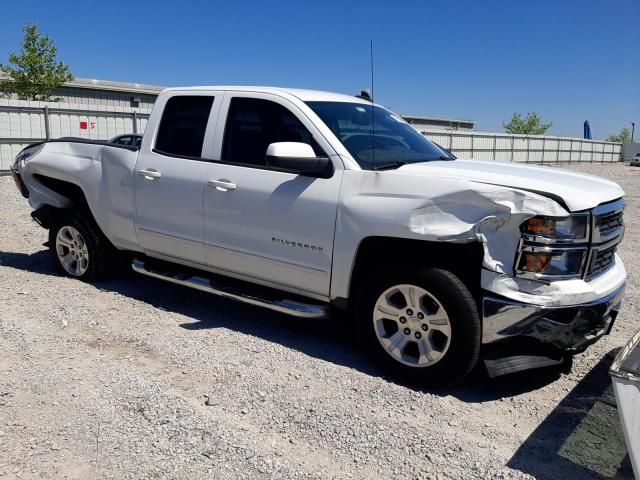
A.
pixel 304 95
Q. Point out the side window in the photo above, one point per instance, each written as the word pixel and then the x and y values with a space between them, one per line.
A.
pixel 254 124
pixel 182 126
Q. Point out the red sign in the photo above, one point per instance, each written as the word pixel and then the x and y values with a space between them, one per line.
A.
pixel 87 125
pixel 83 125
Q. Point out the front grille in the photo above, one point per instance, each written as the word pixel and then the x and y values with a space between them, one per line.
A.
pixel 608 229
pixel 608 222
pixel 601 260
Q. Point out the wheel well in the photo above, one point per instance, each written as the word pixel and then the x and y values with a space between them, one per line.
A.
pixel 68 190
pixel 376 253
pixel 47 214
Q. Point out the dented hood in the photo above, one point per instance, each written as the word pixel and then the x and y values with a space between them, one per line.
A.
pixel 578 191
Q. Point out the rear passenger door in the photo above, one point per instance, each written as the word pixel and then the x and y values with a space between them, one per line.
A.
pixel 169 177
pixel 271 226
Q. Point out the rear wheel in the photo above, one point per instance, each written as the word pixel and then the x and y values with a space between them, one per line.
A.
pixel 78 248
pixel 422 327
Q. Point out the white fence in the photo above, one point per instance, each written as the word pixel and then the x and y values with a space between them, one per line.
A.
pixel 24 122
pixel 525 148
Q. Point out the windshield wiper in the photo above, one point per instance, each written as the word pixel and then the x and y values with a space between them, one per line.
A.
pixel 389 166
pixel 398 163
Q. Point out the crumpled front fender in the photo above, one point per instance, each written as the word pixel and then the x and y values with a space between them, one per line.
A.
pixel 397 205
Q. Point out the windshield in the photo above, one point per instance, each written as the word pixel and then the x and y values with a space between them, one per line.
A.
pixel 376 138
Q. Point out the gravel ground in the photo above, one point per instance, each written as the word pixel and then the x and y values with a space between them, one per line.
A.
pixel 136 378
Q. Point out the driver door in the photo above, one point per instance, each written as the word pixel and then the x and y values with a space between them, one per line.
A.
pixel 273 227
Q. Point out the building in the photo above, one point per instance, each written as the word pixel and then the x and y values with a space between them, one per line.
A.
pixel 105 93
pixel 432 123
pixel 85 108
pixel 85 93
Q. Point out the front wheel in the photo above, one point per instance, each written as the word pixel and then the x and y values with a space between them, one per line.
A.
pixel 422 327
pixel 78 248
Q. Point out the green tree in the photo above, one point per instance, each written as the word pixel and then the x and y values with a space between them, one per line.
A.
pixel 623 137
pixel 529 125
pixel 34 72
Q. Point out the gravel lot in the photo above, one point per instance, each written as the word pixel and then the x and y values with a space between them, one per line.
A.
pixel 136 378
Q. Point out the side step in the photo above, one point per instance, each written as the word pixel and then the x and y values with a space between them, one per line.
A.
pixel 233 289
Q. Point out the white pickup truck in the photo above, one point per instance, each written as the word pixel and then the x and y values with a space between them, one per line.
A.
pixel 304 201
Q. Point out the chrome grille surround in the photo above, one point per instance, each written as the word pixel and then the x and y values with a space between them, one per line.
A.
pixel 607 232
pixel 607 221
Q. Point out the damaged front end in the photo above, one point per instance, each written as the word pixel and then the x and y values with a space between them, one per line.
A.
pixel 564 294
pixel 550 278
pixel 520 336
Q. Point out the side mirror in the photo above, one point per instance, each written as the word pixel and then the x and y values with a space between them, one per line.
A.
pixel 297 157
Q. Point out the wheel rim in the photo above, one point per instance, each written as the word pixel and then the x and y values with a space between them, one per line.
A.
pixel 412 325
pixel 72 251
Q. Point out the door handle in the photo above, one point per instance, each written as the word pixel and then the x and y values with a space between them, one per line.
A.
pixel 222 185
pixel 150 174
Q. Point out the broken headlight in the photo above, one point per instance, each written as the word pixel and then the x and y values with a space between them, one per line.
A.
pixel 543 262
pixel 574 228
pixel 553 248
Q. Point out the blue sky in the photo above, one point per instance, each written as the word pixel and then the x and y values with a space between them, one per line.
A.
pixel 569 60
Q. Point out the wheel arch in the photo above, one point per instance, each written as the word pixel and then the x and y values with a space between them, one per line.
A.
pixel 73 195
pixel 71 192
pixel 373 253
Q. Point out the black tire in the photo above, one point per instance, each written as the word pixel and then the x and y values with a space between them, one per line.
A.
pixel 101 254
pixel 464 345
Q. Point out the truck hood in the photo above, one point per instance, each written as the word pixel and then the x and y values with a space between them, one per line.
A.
pixel 578 191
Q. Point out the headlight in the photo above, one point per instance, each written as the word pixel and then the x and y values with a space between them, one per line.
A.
pixel 573 228
pixel 553 248
pixel 540 262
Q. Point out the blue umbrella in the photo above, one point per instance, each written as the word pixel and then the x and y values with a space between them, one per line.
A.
pixel 587 130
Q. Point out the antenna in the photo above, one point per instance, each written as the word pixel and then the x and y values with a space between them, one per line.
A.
pixel 373 154
pixel 371 60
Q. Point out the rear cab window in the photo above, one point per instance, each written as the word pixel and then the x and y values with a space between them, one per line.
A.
pixel 183 125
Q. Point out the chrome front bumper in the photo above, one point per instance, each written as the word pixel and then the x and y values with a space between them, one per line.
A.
pixel 569 329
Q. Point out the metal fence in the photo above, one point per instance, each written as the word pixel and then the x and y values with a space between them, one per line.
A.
pixel 23 123
pixel 525 148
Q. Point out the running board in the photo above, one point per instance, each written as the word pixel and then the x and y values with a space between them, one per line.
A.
pixel 267 297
